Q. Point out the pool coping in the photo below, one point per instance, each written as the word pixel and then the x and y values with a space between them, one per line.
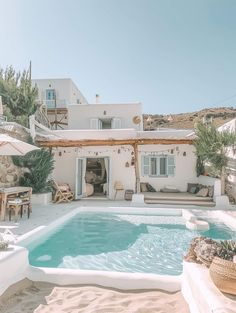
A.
pixel 119 280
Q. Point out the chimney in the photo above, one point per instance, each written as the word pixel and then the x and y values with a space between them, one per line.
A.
pixel 97 99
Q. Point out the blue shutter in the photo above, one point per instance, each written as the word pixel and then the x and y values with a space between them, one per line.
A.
pixel 145 165
pixel 50 98
pixel 171 165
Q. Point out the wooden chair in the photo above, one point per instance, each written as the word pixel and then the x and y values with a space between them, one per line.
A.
pixel 18 207
pixel 62 192
pixel 118 186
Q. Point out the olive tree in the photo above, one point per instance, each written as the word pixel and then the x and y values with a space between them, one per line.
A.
pixel 211 148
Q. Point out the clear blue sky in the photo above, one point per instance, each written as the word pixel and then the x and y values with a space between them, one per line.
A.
pixel 172 55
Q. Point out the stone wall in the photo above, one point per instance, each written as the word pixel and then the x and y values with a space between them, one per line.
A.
pixel 9 173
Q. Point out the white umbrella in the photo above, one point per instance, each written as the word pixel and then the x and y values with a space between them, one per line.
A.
pixel 13 146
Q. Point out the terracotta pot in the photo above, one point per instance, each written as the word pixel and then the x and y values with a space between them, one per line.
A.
pixel 223 274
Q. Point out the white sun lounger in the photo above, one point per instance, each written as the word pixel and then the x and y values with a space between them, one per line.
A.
pixel 7 234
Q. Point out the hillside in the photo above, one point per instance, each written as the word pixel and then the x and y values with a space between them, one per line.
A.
pixel 219 116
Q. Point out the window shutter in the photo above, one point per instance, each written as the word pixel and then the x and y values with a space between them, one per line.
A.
pixel 171 165
pixel 145 165
pixel 116 123
pixel 94 123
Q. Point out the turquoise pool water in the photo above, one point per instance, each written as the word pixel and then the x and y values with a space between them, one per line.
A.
pixel 124 243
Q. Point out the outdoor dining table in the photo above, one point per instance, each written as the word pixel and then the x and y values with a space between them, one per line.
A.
pixel 12 191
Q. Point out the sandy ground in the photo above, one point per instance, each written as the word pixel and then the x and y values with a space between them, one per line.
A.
pixel 28 297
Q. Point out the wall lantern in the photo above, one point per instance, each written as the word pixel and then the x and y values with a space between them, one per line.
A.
pixel 127 164
pixel 132 161
pixel 184 153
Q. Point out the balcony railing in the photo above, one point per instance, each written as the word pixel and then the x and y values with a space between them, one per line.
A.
pixel 51 104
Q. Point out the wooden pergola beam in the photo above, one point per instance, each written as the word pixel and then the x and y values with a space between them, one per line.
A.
pixel 109 142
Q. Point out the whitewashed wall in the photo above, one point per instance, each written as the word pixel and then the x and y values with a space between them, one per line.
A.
pixel 185 166
pixel 65 165
pixel 66 91
pixel 79 116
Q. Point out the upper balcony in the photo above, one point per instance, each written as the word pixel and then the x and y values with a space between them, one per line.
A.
pixel 52 104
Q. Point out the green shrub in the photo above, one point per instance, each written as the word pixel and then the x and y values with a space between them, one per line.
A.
pixel 38 165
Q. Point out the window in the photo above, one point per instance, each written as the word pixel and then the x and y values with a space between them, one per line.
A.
pixel 153 169
pixel 50 98
pixel 158 165
pixel 163 165
pixel 105 123
pixel 50 94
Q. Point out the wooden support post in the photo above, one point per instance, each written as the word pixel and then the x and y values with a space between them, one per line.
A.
pixel 136 167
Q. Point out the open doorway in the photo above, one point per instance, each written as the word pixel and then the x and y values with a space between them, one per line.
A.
pixel 96 177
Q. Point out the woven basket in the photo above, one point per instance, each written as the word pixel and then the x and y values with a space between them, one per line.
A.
pixel 204 261
pixel 223 274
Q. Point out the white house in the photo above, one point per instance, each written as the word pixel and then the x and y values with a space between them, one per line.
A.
pixel 58 92
pixel 105 148
pixel 54 96
pixel 67 108
pixel 105 116
pixel 103 157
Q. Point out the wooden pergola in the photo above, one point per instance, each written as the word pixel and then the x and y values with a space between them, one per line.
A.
pixel 134 142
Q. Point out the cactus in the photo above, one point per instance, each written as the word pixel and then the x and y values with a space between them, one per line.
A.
pixel 203 250
pixel 228 250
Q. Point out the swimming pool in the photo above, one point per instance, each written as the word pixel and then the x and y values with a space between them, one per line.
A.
pixel 120 242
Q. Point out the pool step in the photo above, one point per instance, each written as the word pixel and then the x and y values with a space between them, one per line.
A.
pixel 182 202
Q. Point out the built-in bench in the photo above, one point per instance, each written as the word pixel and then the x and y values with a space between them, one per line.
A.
pixel 184 198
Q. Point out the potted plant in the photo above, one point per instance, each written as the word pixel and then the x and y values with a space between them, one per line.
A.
pixel 37 166
pixel 220 257
pixel 223 268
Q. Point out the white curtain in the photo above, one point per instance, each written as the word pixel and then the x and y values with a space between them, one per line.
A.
pixel 102 162
pixel 84 165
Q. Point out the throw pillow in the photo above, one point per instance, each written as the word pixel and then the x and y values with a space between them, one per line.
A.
pixel 193 190
pixel 143 187
pixel 150 188
pixel 190 185
pixel 210 191
pixel 202 192
pixel 168 190
pixel 63 187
